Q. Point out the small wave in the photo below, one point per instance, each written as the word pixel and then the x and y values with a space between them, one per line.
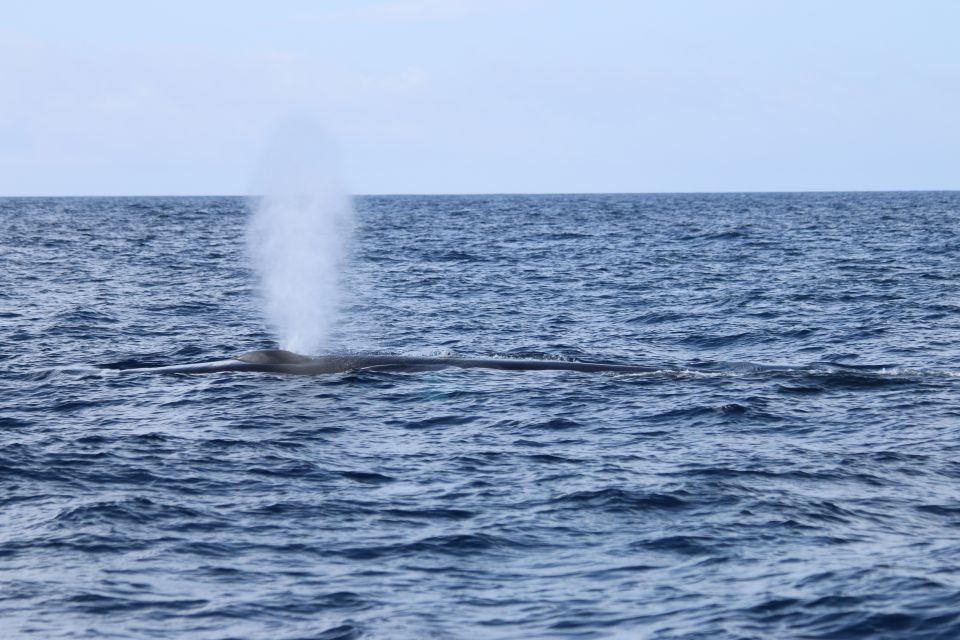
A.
pixel 101 605
pixel 457 545
pixel 432 514
pixel 456 256
pixel 619 500
pixel 366 477
pixel 555 424
pixel 683 545
pixel 715 341
pixel 439 421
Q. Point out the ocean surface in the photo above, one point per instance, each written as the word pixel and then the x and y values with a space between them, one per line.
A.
pixel 792 470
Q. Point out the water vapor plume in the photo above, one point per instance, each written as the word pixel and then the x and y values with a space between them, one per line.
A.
pixel 299 235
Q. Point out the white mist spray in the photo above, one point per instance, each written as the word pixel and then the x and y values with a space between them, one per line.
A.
pixel 299 235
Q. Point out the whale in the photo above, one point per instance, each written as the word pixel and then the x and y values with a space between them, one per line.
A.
pixel 287 362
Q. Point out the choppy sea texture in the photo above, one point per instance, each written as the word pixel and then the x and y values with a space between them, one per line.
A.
pixel 792 472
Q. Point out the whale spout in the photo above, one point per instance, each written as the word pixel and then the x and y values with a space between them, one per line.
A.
pixel 273 356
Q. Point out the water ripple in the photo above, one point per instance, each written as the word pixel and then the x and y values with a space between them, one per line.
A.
pixel 789 470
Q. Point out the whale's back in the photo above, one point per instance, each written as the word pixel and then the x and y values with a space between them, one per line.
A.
pixel 282 361
pixel 273 356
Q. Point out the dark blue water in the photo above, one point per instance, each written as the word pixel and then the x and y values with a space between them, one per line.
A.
pixel 793 471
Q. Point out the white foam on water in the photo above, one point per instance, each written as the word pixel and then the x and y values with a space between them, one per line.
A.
pixel 299 236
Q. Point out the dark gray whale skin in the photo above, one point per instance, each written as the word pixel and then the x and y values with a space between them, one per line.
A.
pixel 280 361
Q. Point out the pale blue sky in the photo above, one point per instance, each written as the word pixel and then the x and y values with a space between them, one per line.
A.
pixel 483 96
